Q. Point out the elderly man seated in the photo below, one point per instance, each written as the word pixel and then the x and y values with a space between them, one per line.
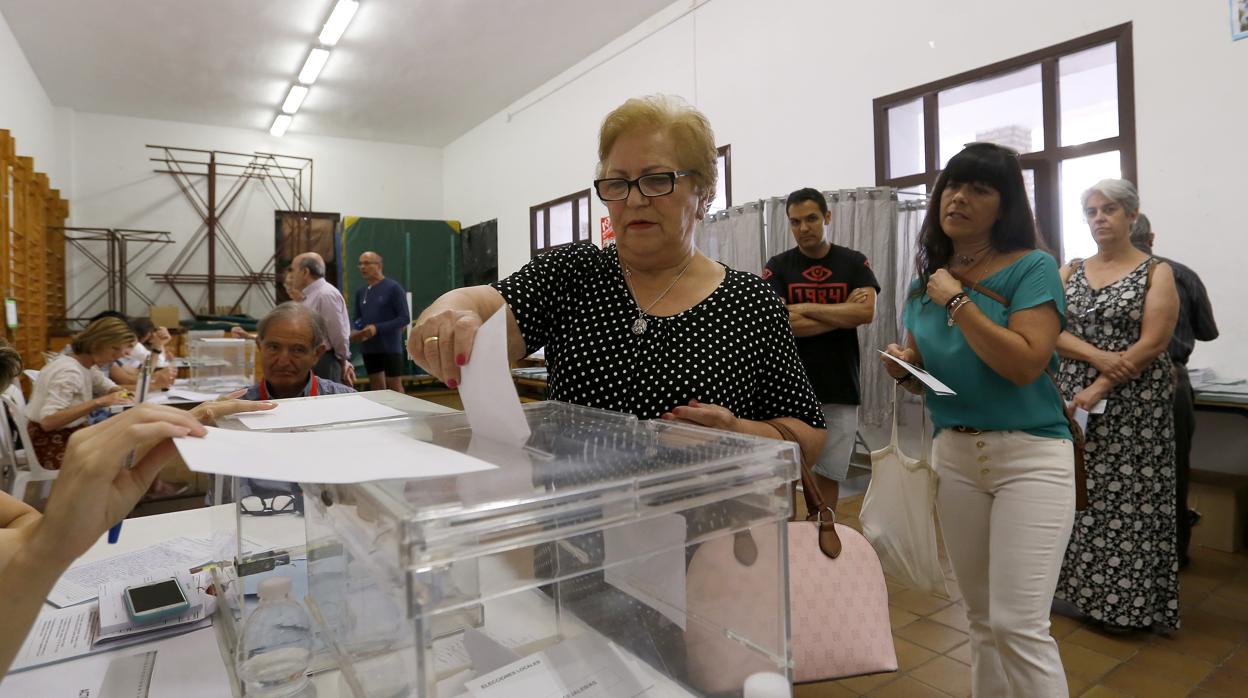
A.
pixel 290 339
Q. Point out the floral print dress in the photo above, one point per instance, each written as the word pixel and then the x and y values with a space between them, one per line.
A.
pixel 1121 566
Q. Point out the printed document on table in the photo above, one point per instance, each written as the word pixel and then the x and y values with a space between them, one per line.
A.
pixel 314 411
pixel 486 388
pixel 586 666
pixel 82 582
pixel 926 378
pixel 330 457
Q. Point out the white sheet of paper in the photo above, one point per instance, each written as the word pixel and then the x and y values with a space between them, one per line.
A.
pixel 586 666
pixel 657 579
pixel 1081 418
pixel 486 389
pixel 82 583
pixel 927 379
pixel 330 457
pixel 190 395
pixel 58 634
pixel 319 410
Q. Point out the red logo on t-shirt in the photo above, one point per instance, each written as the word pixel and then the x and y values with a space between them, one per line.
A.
pixel 766 273
pixel 818 293
pixel 817 273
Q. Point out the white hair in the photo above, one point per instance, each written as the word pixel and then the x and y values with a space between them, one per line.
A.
pixel 1120 191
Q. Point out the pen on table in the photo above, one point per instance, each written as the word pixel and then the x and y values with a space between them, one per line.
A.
pixel 114 533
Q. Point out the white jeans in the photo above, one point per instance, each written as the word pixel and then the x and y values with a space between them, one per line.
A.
pixel 1007 501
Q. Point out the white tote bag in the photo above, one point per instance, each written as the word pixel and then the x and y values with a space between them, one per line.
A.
pixel 898 515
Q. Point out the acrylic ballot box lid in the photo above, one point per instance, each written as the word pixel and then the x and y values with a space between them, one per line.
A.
pixel 578 460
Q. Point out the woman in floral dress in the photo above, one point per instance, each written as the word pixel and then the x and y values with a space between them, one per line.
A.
pixel 1121 566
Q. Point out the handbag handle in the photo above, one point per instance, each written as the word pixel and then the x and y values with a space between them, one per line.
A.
pixel 829 541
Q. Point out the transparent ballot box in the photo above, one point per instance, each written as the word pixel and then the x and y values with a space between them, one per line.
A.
pixel 605 553
pixel 221 365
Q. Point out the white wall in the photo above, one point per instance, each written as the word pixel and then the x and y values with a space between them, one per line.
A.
pixel 766 73
pixel 25 110
pixel 114 186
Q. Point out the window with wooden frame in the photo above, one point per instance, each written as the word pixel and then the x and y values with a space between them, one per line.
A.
pixel 562 221
pixel 1069 111
pixel 723 192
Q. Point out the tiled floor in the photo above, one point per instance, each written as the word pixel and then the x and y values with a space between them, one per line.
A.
pixel 1206 658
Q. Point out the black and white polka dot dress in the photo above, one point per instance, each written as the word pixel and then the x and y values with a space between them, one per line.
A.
pixel 734 349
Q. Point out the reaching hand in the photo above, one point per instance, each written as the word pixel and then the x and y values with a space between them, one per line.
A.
pixel 209 412
pixel 95 490
pixel 117 397
pixel 703 414
pixel 442 342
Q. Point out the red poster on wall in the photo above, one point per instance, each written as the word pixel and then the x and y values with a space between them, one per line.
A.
pixel 607 232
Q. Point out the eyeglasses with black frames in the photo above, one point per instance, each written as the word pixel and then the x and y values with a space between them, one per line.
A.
pixel 268 506
pixel 650 185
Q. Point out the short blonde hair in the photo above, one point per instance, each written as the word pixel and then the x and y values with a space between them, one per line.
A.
pixel 105 332
pixel 688 127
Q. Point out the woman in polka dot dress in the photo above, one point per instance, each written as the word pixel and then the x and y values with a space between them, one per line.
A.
pixel 649 325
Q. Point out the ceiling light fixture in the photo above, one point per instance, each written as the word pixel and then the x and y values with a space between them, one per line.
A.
pixel 280 124
pixel 338 21
pixel 294 99
pixel 312 67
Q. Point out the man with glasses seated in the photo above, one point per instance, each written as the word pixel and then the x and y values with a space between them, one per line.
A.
pixel 290 340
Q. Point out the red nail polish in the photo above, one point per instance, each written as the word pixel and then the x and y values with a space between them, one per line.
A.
pixel 459 360
pixel 452 383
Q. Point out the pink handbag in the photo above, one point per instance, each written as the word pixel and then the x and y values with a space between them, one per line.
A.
pixel 838 603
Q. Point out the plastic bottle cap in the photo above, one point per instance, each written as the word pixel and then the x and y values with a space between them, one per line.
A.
pixel 767 684
pixel 275 588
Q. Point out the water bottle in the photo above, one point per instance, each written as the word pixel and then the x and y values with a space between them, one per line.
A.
pixel 276 645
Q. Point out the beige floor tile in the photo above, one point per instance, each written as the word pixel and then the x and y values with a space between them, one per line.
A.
pixel 1207 623
pixel 1076 685
pixel 917 602
pixel 1239 660
pixel 934 636
pixel 910 655
pixel 1103 692
pixel 824 689
pixel 1224 608
pixel 1085 663
pixel 906 687
pixel 1181 668
pixel 1062 626
pixel 898 617
pixel 864 684
pixel 962 653
pixel 1227 680
pixel 1118 648
pixel 1206 647
pixel 946 674
pixel 954 616
pixel 1142 684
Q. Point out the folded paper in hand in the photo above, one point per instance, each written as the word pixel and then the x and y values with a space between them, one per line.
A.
pixel 926 378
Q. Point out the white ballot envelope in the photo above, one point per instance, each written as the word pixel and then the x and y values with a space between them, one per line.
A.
pixel 926 378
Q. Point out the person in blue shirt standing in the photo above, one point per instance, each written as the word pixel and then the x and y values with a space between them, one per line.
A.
pixel 381 313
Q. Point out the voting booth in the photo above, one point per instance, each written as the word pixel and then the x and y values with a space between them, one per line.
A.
pixel 602 556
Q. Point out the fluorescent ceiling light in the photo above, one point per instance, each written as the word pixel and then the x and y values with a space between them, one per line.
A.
pixel 280 124
pixel 312 67
pixel 338 21
pixel 294 99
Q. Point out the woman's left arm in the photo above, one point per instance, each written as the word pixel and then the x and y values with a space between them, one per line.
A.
pixel 809 439
pixel 1161 313
pixel 1018 352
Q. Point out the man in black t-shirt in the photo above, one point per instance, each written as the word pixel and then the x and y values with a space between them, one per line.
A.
pixel 830 291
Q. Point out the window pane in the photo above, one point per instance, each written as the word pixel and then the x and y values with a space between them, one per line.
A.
pixel 582 232
pixel 905 140
pixel 1077 175
pixel 1007 110
pixel 720 202
pixel 1089 95
pixel 561 223
pixel 539 225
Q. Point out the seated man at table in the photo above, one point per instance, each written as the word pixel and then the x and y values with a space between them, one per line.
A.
pixel 290 340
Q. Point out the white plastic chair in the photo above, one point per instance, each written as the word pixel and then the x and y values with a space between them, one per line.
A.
pixel 33 471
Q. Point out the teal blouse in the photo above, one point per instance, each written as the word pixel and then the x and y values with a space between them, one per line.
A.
pixel 986 400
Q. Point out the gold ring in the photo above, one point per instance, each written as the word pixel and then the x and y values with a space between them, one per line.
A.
pixel 434 338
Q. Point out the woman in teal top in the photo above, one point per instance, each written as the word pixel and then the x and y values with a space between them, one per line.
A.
pixel 983 317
